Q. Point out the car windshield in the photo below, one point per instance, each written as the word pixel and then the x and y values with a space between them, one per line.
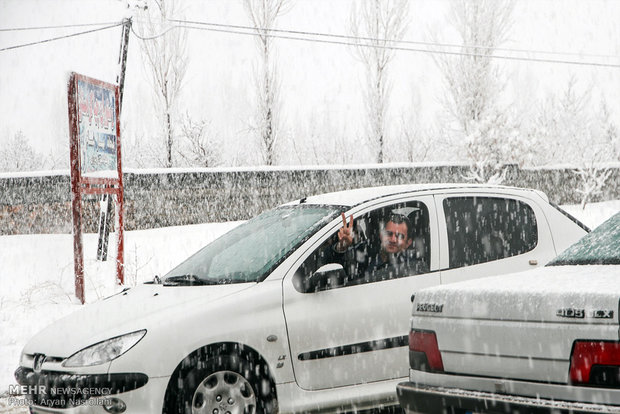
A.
pixel 601 246
pixel 250 251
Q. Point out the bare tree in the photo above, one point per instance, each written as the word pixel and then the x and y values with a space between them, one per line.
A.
pixel 415 142
pixel 199 145
pixel 263 15
pixel 474 85
pixel 380 23
pixel 18 155
pixel 326 140
pixel 166 59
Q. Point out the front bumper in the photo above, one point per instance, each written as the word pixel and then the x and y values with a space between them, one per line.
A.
pixel 415 398
pixel 62 392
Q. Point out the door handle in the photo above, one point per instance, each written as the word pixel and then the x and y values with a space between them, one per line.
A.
pixel 533 262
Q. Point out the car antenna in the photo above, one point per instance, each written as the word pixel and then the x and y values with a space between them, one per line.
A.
pixel 302 200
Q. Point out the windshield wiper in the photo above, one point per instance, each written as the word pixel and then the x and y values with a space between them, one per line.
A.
pixel 156 281
pixel 188 280
pixel 587 261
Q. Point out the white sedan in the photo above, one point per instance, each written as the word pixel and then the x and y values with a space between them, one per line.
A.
pixel 303 308
pixel 543 341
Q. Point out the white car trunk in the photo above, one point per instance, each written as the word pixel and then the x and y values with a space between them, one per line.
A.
pixel 509 329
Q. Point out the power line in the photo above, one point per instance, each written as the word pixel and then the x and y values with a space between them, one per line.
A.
pixel 411 42
pixel 64 26
pixel 189 25
pixel 60 37
pixel 141 37
pixel 317 38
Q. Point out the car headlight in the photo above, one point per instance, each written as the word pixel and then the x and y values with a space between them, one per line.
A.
pixel 104 351
pixel 24 359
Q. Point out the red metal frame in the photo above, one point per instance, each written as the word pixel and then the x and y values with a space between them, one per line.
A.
pixel 90 185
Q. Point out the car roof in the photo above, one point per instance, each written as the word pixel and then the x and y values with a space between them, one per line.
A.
pixel 357 196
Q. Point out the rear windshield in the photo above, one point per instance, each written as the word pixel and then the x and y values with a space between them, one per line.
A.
pixel 601 246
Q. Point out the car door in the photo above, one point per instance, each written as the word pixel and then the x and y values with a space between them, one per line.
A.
pixel 486 234
pixel 351 331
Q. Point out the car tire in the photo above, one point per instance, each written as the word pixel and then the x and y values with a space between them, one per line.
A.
pixel 223 385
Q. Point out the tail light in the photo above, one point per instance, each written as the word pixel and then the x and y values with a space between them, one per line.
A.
pixel 424 352
pixel 595 363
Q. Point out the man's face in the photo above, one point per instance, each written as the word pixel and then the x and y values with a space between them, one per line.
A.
pixel 394 238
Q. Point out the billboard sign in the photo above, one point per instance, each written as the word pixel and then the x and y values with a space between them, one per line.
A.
pixel 95 148
pixel 97 128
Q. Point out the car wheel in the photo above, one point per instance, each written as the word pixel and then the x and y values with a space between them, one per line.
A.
pixel 225 392
pixel 224 385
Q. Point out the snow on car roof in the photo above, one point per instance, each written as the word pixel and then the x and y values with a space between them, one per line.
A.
pixel 359 195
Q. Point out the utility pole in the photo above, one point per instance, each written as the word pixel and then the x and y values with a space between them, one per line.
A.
pixel 122 58
pixel 105 204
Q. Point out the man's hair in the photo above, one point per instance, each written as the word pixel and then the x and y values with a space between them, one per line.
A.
pixel 398 219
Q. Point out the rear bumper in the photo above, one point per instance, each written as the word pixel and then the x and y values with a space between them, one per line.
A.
pixel 415 398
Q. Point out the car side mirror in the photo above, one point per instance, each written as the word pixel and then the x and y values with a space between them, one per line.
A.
pixel 331 274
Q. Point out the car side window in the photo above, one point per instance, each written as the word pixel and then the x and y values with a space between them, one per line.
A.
pixel 483 229
pixel 389 242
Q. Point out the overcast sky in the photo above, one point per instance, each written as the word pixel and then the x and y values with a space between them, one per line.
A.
pixel 321 82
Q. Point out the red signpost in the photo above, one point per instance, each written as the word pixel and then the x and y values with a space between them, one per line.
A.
pixel 94 125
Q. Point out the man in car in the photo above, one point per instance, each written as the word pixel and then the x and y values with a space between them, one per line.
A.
pixel 395 257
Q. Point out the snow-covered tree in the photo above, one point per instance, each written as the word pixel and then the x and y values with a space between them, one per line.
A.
pixel 474 84
pixel 601 147
pixel 166 61
pixel 493 143
pixel 560 124
pixel 571 128
pixel 16 154
pixel 263 15
pixel 380 23
pixel 139 151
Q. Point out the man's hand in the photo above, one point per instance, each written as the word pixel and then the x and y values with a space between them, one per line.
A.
pixel 345 234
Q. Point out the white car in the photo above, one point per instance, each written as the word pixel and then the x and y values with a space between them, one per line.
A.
pixel 273 317
pixel 542 341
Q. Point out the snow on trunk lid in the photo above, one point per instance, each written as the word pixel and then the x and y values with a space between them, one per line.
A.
pixel 521 326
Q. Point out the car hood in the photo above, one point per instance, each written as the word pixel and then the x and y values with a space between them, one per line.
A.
pixel 142 307
pixel 577 294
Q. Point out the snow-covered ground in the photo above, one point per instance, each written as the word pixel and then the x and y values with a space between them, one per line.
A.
pixel 36 274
